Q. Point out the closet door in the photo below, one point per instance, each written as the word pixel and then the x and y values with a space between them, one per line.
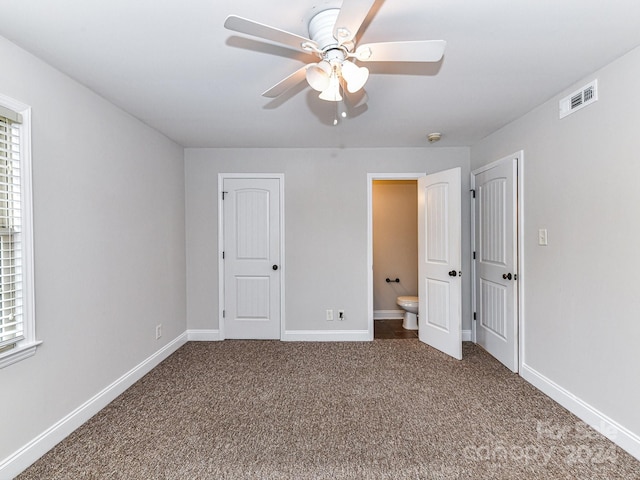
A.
pixel 252 267
pixel 496 260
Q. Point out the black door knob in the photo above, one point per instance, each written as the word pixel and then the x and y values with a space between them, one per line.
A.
pixel 275 267
pixel 453 273
pixel 507 276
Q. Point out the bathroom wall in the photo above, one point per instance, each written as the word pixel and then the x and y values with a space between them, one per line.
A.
pixel 395 243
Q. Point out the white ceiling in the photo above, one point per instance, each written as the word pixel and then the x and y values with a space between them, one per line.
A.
pixel 173 65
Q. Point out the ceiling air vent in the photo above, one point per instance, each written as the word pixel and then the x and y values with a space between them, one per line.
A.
pixel 579 99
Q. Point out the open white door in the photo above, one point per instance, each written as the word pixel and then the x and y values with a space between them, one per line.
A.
pixel 439 261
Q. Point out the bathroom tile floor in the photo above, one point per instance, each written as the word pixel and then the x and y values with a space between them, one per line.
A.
pixel 392 329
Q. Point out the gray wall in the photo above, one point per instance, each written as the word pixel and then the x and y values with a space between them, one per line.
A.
pixel 109 247
pixel 325 222
pixel 582 293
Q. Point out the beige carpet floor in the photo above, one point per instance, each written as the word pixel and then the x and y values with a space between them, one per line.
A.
pixel 387 409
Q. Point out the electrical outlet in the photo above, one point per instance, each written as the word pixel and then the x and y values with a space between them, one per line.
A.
pixel 341 315
pixel 158 331
pixel 329 315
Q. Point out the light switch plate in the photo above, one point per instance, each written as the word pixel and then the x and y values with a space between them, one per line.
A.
pixel 542 237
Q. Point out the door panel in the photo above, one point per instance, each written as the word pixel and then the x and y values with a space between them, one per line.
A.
pixel 439 261
pixel 252 223
pixel 252 258
pixel 438 304
pixel 496 250
pixel 493 311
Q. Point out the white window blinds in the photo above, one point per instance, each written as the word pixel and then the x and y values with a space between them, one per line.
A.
pixel 11 318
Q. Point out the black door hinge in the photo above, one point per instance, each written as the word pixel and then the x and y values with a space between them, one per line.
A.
pixel 473 192
pixel 223 195
pixel 223 255
pixel 223 313
pixel 474 316
pixel 474 255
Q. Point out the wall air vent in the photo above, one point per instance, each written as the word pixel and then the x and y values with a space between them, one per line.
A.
pixel 579 99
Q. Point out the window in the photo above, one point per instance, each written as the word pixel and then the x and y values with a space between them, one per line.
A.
pixel 17 327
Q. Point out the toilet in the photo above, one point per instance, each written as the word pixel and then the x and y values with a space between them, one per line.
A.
pixel 410 307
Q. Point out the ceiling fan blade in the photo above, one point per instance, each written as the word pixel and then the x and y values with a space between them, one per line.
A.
pixel 250 27
pixel 289 82
pixel 352 14
pixel 410 51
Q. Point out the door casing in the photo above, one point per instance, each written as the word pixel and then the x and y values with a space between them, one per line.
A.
pixel 370 178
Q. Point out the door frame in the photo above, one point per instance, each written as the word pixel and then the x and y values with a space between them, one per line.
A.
pixel 519 206
pixel 370 178
pixel 221 283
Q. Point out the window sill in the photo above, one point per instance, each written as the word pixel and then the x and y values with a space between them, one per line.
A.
pixel 18 353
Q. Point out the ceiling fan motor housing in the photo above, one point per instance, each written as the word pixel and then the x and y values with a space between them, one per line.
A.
pixel 321 29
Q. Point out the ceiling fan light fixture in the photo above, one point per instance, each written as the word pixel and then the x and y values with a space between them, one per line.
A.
pixel 354 76
pixel 332 93
pixel 319 75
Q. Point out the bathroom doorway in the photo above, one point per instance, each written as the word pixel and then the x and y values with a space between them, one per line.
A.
pixel 393 233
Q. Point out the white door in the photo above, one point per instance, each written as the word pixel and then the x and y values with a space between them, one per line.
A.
pixel 495 268
pixel 439 261
pixel 252 258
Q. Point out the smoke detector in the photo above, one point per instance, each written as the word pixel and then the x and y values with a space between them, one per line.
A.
pixel 434 137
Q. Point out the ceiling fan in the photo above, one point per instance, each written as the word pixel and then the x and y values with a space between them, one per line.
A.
pixel 332 38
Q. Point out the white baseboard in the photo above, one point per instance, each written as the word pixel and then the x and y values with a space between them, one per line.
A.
pixel 615 432
pixel 32 451
pixel 203 335
pixel 327 336
pixel 388 314
pixel 466 336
